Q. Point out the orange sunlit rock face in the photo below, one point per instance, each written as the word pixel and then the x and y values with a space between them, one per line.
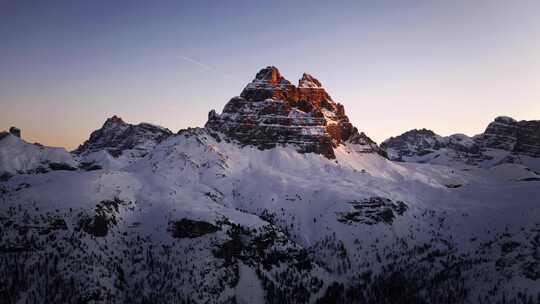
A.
pixel 271 111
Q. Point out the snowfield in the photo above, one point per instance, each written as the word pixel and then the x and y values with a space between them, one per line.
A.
pixel 202 219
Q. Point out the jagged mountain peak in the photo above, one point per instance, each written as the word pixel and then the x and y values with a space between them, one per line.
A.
pixel 270 75
pixel 268 83
pixel 412 143
pixel 505 140
pixel 114 120
pixel 419 133
pixel 271 111
pixel 504 119
pixel 308 81
pixel 506 133
pixel 117 136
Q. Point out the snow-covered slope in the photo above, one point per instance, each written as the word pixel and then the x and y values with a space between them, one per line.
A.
pixel 202 218
pixel 20 157
pixel 198 213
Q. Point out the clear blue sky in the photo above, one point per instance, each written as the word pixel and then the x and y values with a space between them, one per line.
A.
pixel 452 66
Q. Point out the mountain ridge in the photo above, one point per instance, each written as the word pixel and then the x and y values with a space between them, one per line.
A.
pixel 144 215
pixel 505 140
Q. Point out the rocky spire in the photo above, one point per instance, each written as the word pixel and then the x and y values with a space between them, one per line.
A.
pixel 308 81
pixel 271 111
pixel 269 75
pixel 269 83
pixel 509 134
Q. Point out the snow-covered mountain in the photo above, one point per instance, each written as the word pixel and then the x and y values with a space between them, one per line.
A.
pixel 271 111
pixel 118 144
pixel 19 157
pixel 278 199
pixel 505 140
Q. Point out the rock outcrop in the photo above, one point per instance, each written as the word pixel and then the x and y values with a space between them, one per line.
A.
pixel 420 142
pixel 411 143
pixel 271 111
pixel 505 133
pixel 514 138
pixel 363 144
pixel 15 131
pixel 117 136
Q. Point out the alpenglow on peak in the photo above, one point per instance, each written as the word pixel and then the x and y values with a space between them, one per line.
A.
pixel 271 111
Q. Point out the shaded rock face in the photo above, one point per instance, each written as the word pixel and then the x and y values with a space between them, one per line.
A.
pixel 363 144
pixel 15 131
pixel 410 143
pixel 186 228
pixel 423 141
pixel 505 133
pixel 271 111
pixel 117 136
pixel 372 211
pixel 502 134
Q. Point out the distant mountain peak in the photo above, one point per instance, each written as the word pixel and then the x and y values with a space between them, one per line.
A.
pixel 117 136
pixel 114 120
pixel 506 133
pixel 509 136
pixel 271 76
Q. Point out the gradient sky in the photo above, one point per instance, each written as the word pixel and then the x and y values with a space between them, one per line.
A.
pixel 451 66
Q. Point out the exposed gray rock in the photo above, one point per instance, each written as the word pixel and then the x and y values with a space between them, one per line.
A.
pixel 504 133
pixel 417 143
pixel 412 143
pixel 521 137
pixel 117 136
pixel 271 111
pixel 364 144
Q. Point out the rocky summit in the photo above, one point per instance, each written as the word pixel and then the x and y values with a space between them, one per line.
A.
pixel 522 137
pixel 420 142
pixel 116 136
pixel 505 140
pixel 272 111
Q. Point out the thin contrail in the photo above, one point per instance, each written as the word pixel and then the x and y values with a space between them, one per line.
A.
pixel 208 68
